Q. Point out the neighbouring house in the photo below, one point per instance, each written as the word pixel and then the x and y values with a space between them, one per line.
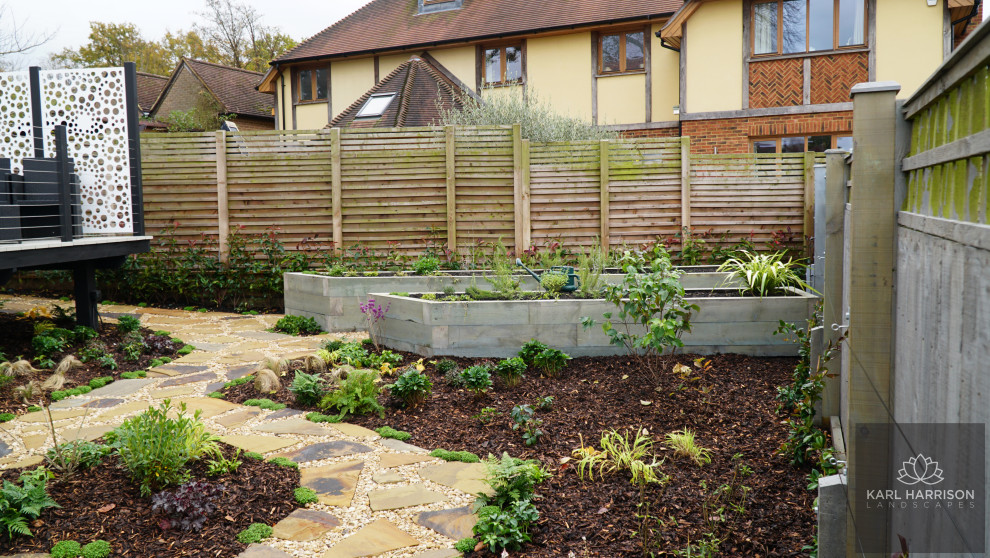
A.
pixel 775 75
pixel 735 75
pixel 228 90
pixel 149 87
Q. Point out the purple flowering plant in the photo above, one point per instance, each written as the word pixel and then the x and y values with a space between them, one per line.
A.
pixel 374 314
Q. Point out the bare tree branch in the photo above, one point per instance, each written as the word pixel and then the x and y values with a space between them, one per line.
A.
pixel 13 37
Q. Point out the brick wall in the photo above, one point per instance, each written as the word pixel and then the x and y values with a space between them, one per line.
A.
pixel 973 24
pixel 182 95
pixel 245 123
pixel 780 83
pixel 834 75
pixel 776 83
pixel 732 135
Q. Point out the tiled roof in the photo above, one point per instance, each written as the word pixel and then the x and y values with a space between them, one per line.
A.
pixel 149 87
pixel 420 85
pixel 391 24
pixel 234 88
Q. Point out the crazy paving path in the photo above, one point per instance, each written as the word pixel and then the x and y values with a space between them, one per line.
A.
pixel 378 497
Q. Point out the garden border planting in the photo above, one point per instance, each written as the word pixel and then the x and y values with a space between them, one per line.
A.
pixel 742 325
pixel 335 301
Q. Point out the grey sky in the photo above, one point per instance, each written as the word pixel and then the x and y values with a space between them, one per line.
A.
pixel 69 20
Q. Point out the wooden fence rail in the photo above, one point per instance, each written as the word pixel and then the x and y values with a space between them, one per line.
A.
pixel 391 189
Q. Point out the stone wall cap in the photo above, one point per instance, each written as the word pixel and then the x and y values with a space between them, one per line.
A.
pixel 875 87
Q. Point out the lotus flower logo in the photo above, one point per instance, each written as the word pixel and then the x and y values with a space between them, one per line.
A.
pixel 920 469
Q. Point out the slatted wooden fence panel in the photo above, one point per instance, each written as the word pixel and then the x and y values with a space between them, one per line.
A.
pixel 393 187
pixel 397 187
pixel 644 190
pixel 483 164
pixel 748 196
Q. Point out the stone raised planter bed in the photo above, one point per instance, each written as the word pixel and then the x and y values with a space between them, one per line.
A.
pixel 730 324
pixel 334 302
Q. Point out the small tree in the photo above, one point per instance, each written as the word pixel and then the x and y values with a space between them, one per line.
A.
pixel 537 119
pixel 206 116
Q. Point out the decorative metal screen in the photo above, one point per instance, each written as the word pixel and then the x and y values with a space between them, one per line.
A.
pixel 92 105
pixel 17 140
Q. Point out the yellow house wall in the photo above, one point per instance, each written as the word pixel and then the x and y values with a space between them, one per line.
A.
pixel 460 62
pixel 559 73
pixel 311 116
pixel 387 64
pixel 909 42
pixel 349 79
pixel 665 80
pixel 714 57
pixel 506 91
pixel 284 104
pixel 622 99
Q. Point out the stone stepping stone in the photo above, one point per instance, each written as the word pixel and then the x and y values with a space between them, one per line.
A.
pixel 197 357
pixel 121 388
pixel 173 392
pixel 334 484
pixel 305 525
pixel 403 497
pixel 19 463
pixel 41 416
pixel 296 426
pixel 354 430
pixel 438 553
pixel 456 523
pixel 126 408
pixel 27 555
pixel 239 358
pixel 188 379
pixel 400 446
pixel 4 449
pixel 104 403
pixel 211 347
pixel 266 335
pixel 390 460
pixel 88 433
pixel 373 539
pixel 236 372
pixel 326 450
pixel 172 369
pixel 260 551
pixel 238 418
pixel 69 403
pixel 388 477
pixel 287 413
pixel 466 477
pixel 215 386
pixel 259 444
pixel 211 407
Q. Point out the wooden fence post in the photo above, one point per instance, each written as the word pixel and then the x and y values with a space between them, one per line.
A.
pixel 451 189
pixel 604 168
pixel 223 211
pixel 517 188
pixel 809 203
pixel 833 308
pixel 686 185
pixel 335 191
pixel 527 227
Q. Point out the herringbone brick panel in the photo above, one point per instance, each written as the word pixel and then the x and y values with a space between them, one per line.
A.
pixel 833 76
pixel 776 83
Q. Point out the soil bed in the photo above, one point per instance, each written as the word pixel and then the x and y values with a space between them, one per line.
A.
pixel 102 503
pixel 731 407
pixel 16 344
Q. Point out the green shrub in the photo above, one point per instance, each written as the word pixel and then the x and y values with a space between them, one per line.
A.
pixel 33 408
pixel 412 387
pixel 506 528
pixel 511 370
pixel 466 545
pixel 24 502
pixel 765 274
pixel 550 362
pixel 530 349
pixel 305 496
pixel 96 549
pixel 477 379
pixel 156 448
pixel 356 395
pixel 462 456
pixel 185 350
pixel 221 465
pixel 97 383
pixel 82 334
pixel 216 395
pixel 426 265
pixel 254 455
pixel 59 395
pixel 255 533
pixel 68 457
pixel 127 324
pixel 297 325
pixel 445 365
pixel 7 417
pixel 133 375
pixel 506 515
pixel 553 281
pixel 511 479
pixel 308 388
pixel 320 417
pixel 284 462
pixel 332 344
pixel 265 403
pixel 389 432
pixel 66 549
pixel 238 382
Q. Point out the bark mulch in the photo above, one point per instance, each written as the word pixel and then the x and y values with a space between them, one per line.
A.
pixel 731 407
pixel 102 503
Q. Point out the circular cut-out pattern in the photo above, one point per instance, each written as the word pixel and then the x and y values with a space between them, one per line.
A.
pixel 17 141
pixel 92 105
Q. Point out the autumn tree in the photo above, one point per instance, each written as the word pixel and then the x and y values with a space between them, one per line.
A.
pixel 238 34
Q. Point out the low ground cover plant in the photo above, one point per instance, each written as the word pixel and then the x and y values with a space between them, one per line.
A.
pixel 412 387
pixel 506 515
pixel 297 325
pixel 356 395
pixel 23 501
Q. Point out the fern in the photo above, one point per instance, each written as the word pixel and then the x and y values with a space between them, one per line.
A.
pixel 20 503
pixel 357 395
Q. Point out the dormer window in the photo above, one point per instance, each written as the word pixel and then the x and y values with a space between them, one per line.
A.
pixel 431 6
pixel 376 105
